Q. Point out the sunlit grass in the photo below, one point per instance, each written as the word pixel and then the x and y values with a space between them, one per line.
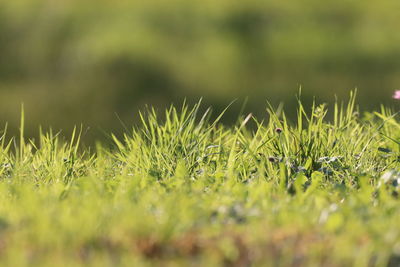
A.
pixel 186 190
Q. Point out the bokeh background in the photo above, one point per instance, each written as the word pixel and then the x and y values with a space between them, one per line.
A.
pixel 84 61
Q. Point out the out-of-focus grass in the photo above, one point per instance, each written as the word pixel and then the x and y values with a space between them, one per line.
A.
pixel 184 190
pixel 89 59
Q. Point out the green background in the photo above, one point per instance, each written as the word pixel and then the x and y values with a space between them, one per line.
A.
pixel 74 62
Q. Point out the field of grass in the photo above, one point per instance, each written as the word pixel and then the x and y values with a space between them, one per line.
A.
pixel 185 190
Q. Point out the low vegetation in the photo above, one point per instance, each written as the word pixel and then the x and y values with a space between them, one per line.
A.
pixel 186 190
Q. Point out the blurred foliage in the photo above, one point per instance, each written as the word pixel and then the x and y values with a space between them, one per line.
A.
pixel 75 62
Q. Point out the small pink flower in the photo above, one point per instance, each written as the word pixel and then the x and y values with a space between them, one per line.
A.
pixel 396 94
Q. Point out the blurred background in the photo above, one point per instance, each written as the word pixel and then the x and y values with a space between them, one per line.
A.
pixel 73 62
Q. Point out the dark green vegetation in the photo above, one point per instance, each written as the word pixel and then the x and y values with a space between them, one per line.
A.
pixel 183 190
pixel 91 58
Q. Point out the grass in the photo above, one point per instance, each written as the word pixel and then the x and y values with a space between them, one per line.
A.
pixel 187 190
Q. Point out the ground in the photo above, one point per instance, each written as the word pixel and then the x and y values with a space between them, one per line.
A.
pixel 183 189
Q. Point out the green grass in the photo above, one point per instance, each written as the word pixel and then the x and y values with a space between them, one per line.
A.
pixel 186 190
